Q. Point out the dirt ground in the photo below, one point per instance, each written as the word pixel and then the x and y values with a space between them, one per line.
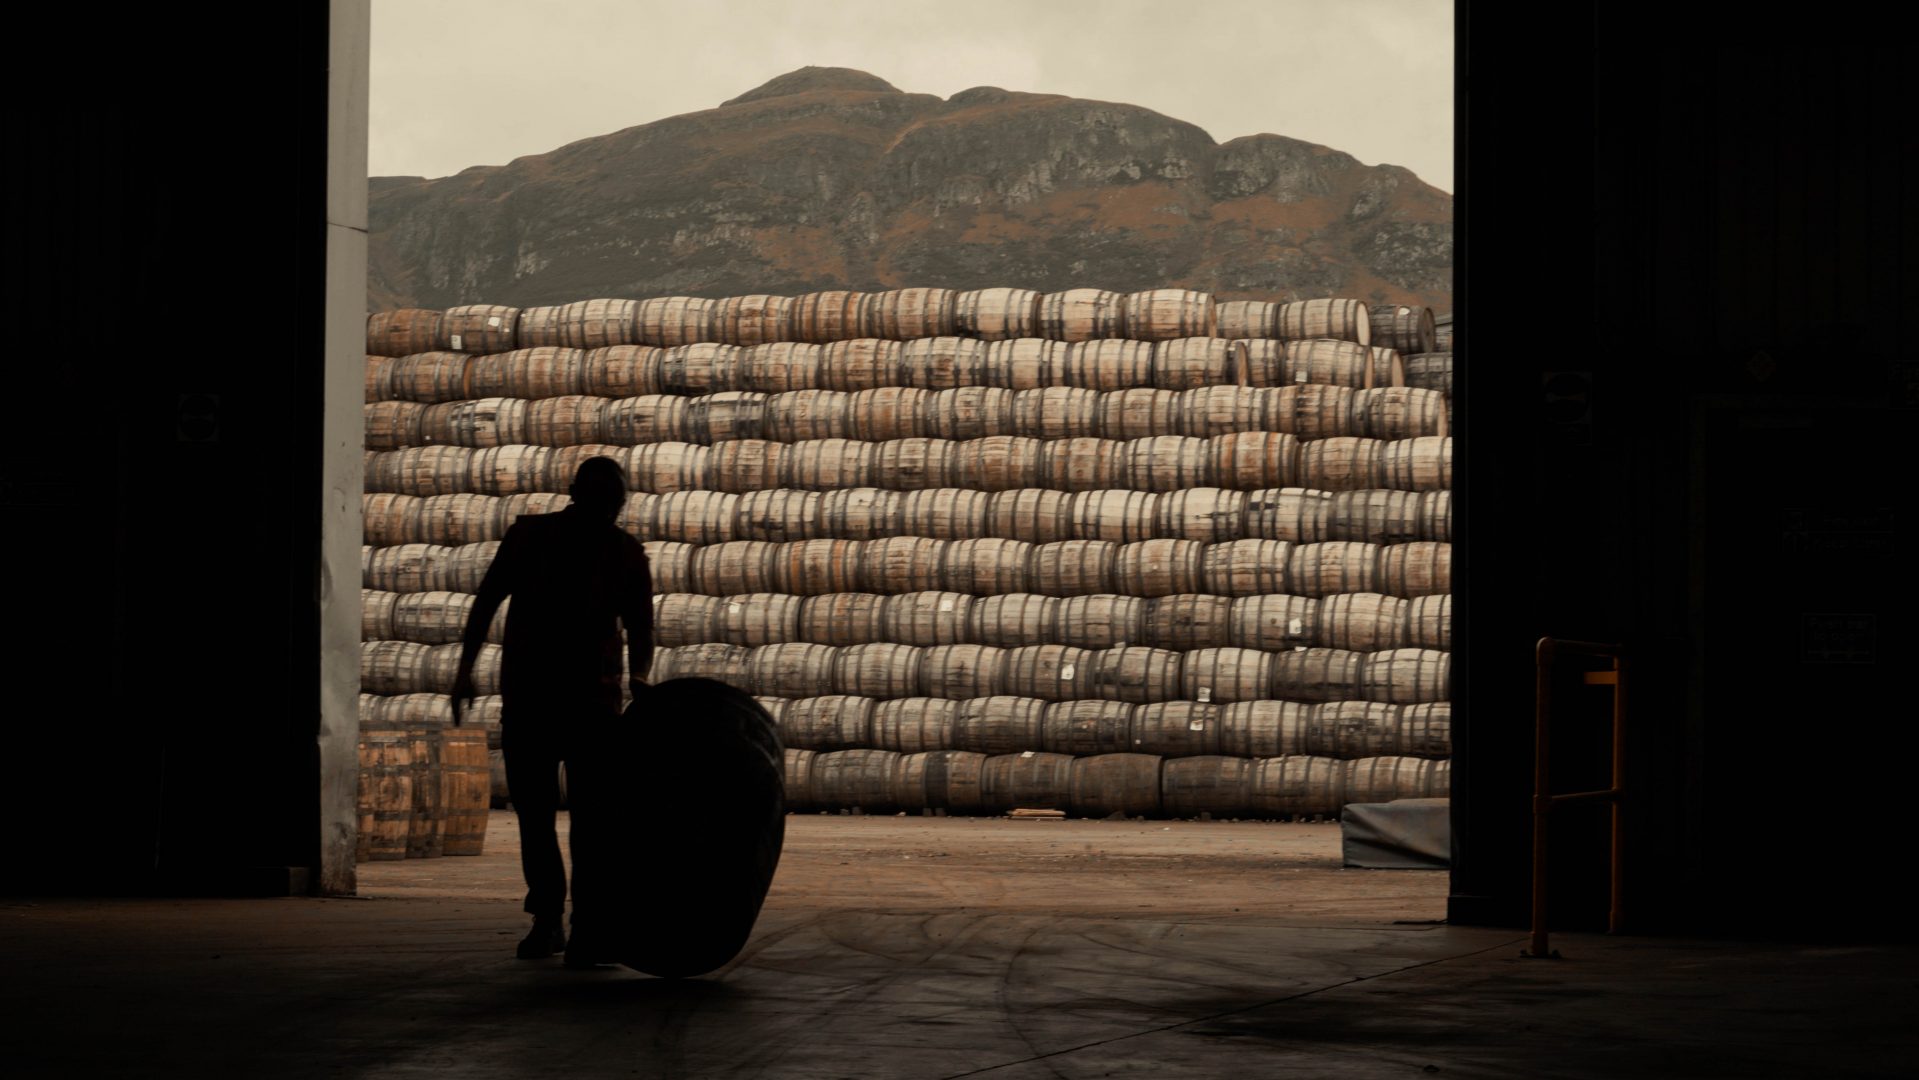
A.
pixel 1159 869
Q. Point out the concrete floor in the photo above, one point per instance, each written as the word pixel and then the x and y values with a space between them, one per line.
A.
pixel 911 947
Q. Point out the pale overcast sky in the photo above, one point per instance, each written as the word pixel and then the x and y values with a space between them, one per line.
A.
pixel 457 83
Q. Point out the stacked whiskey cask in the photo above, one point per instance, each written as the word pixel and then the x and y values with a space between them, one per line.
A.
pixel 1104 553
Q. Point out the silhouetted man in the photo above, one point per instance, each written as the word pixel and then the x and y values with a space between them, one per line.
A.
pixel 575 578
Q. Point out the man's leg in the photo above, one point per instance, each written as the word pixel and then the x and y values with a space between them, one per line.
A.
pixel 533 783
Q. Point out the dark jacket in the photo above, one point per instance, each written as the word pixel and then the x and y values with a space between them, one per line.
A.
pixel 575 579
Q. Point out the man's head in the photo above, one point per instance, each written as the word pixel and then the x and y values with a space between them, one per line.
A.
pixel 599 487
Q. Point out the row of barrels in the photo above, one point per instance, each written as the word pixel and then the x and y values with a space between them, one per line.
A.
pixel 424 790
pixel 1134 785
pixel 1008 724
pixel 991 314
pixel 1133 673
pixel 946 363
pixel 981 567
pixel 1362 621
pixel 1244 461
pixel 1305 410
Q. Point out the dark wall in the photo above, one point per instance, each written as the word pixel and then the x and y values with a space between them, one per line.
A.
pixel 1699 456
pixel 160 490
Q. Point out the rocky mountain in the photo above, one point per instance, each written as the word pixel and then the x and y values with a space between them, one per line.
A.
pixel 830 178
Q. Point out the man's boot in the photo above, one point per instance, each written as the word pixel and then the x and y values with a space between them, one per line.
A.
pixel 547 937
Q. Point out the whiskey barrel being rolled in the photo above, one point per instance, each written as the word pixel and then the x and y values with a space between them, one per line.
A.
pixel 679 902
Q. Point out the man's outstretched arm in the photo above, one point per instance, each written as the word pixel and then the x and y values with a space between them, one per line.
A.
pixel 494 589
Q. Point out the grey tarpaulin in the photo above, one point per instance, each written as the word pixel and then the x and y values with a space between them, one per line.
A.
pixel 1405 834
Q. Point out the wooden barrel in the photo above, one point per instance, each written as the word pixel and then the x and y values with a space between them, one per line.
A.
pixel 1252 460
pixel 726 415
pixel 756 619
pixel 1176 728
pixel 1360 729
pixel 1187 621
pixel 566 421
pixel 1073 567
pixel 1160 567
pixel 799 669
pixel 1081 315
pixel 1056 412
pixel 1274 622
pixel 800 415
pixel 1424 463
pixel 1117 515
pixel 1310 410
pixel 997 463
pixel 1190 362
pixel 479 328
pixel 1245 567
pixel 861 364
pixel 1341 463
pixel 880 669
pixel 1398 412
pixel 985 566
pixel 944 362
pixel 458 520
pixel 1123 784
pixel 1363 622
pixel 860 513
pixel 1407 328
pixel 529 374
pixel 1167 463
pixel 592 324
pixel 960 672
pixel 1109 365
pixel 889 412
pixel 848 618
pixel 390 425
pixel 906 314
pixel 1419 568
pixel 1207 514
pixel 1334 566
pixel 1098 621
pixel 797 775
pixel 829 464
pixel 1012 619
pixel 387 519
pixel 1035 515
pixel 745 465
pixel 1164 314
pixel 1430 371
pixel 927 618
pixel 377 387
pixel 1212 786
pixel 1297 785
pixel 1237 319
pixel 1087 726
pixel 833 315
pixel 1261 362
pixel 430 378
pixel 1049 673
pixel 672 565
pixel 408 568
pixel 403 332
pixel 563 462
pixel 432 618
pixel 1140 412
pixel 492 421
pixel 466 785
pixel 828 722
pixel 683 619
pixel 1257 729
pixel 855 780
pixel 1389 368
pixel 945 513
pixel 385 801
pixel 1026 363
pixel 515 469
pixel 1332 362
pixel 1346 320
pixel 1407 676
pixel 399 711
pixel 902 564
pixel 1031 780
pixel 1390 777
pixel 1377 516
pixel 422 471
pixel 779 367
pixel 376 614
pixel 1207 411
pixel 941 779
pixel 1137 673
pixel 1426 729
pixel 1226 674
pixel 753 320
pixel 997 314
pixel 393 667
pixel 1085 464
pixel 730 664
pixel 702 368
pixel 966 411
pixel 730 569
pixel 1318 674
pixel 914 725
pixel 1428 623
pixel 818 567
pixel 647 418
pixel 658 468
pixel 619 371
pixel 668 321
pixel 692 517
pixel 914 464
